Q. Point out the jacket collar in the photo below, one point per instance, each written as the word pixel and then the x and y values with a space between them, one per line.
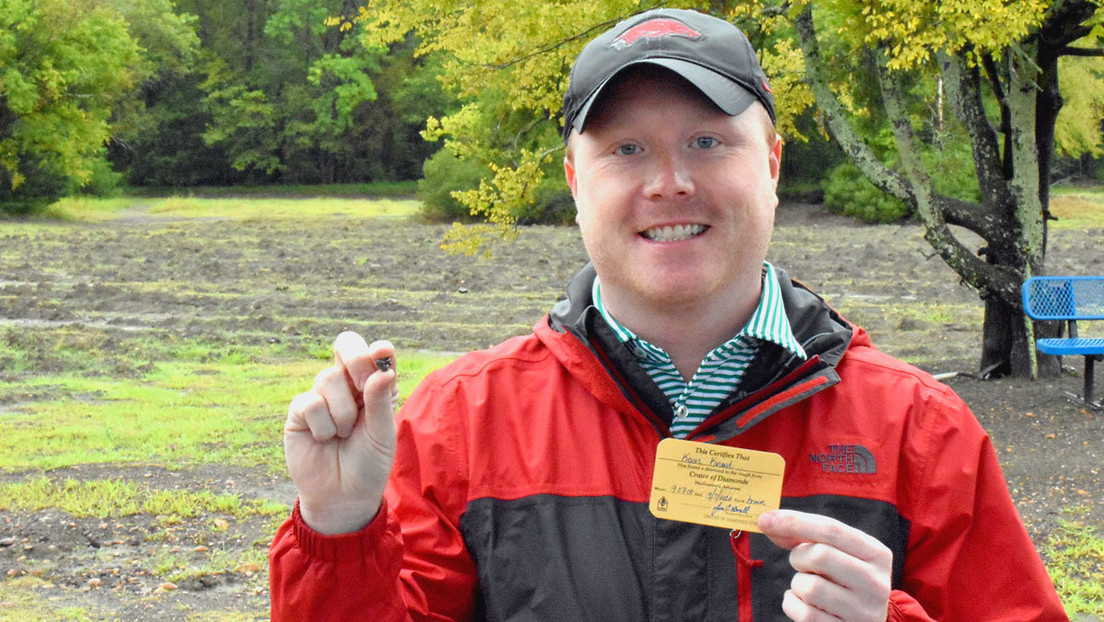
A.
pixel 775 378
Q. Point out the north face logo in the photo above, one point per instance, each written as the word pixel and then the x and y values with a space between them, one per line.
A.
pixel 655 29
pixel 846 459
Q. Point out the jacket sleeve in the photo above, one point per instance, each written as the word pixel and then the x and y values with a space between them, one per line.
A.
pixel 319 577
pixel 969 556
pixel 410 562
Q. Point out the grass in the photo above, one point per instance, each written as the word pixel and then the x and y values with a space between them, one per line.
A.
pixel 1075 560
pixel 19 602
pixel 197 402
pixel 367 190
pixel 80 395
pixel 84 209
pixel 113 498
pixel 1078 208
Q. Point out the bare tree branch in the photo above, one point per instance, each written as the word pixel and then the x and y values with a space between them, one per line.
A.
pixel 1072 51
pixel 863 156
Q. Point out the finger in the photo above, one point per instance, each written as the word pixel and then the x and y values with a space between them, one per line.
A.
pixel 300 404
pixel 800 611
pixel 841 568
pixel 332 384
pixel 822 594
pixel 308 412
pixel 788 528
pixel 351 354
pixel 381 390
pixel 382 354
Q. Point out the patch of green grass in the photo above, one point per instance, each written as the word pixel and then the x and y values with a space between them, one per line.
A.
pixel 179 403
pixel 21 603
pixel 87 209
pixel 102 498
pixel 176 567
pixel 937 313
pixel 366 190
pixel 1075 560
pixel 248 209
pixel 97 498
pixel 261 209
pixel 1078 208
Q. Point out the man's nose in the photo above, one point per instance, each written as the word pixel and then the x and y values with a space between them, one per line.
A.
pixel 668 176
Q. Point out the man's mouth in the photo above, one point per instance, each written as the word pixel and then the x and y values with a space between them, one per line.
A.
pixel 676 233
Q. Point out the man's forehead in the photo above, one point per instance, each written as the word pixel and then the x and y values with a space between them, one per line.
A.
pixel 634 81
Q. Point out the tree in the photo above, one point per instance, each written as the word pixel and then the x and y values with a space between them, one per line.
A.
pixel 989 55
pixel 998 61
pixel 73 75
pixel 301 104
pixel 508 68
pixel 63 66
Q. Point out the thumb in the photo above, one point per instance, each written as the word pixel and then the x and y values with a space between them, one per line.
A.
pixel 777 527
pixel 380 396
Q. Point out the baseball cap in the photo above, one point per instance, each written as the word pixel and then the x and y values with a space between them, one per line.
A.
pixel 712 54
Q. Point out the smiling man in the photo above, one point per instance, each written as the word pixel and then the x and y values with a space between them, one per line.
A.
pixel 516 483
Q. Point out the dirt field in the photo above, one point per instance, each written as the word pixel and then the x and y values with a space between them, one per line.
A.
pixel 298 286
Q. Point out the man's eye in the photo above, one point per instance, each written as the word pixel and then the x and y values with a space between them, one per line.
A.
pixel 628 149
pixel 705 142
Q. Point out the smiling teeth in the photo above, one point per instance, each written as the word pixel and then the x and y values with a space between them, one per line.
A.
pixel 673 234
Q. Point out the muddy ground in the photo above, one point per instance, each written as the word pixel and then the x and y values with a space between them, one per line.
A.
pixel 297 285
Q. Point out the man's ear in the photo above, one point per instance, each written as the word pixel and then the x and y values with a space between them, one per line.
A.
pixel 569 173
pixel 776 159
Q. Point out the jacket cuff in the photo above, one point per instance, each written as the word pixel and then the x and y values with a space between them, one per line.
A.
pixel 905 608
pixel 341 548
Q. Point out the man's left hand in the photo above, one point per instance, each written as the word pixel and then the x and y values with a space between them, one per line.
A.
pixel 842 573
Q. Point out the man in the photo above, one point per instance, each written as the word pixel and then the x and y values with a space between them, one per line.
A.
pixel 518 481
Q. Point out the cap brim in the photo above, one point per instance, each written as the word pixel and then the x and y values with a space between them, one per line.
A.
pixel 728 95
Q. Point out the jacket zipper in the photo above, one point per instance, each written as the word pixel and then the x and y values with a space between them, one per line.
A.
pixel 741 548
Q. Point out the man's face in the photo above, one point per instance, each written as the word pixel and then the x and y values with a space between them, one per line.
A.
pixel 675 198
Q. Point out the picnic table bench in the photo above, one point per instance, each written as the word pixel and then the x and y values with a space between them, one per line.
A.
pixel 1068 299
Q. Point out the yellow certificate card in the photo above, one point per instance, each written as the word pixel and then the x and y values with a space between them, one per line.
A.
pixel 714 485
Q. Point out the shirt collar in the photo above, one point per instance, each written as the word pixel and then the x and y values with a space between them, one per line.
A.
pixel 768 323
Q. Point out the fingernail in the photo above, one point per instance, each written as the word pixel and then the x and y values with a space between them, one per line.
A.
pixel 766 520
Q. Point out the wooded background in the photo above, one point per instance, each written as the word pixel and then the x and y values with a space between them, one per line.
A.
pixel 958 114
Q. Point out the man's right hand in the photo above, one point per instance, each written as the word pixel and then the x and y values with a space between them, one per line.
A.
pixel 339 439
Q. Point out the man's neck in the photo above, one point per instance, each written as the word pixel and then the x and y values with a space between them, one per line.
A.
pixel 688 333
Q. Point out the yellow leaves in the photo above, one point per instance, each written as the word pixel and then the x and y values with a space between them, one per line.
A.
pixel 498 201
pixel 339 22
pixel 1077 130
pixel 786 68
pixel 911 31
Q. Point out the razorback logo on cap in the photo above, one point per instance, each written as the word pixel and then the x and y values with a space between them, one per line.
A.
pixel 655 29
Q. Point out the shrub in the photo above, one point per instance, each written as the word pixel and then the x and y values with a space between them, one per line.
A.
pixel 443 174
pixel 553 204
pixel 105 182
pixel 41 186
pixel 848 191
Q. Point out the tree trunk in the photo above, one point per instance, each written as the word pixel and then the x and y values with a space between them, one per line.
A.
pixel 997 337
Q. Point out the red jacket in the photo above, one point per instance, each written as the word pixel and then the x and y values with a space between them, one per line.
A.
pixel 521 488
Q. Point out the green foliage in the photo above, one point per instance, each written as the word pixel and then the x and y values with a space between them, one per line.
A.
pixel 298 100
pixel 444 174
pixel 1075 556
pixel 848 191
pixel 167 148
pixel 950 163
pixel 64 64
pixel 1078 130
pixel 447 177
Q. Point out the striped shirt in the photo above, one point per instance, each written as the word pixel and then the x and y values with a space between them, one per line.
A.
pixel 721 370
